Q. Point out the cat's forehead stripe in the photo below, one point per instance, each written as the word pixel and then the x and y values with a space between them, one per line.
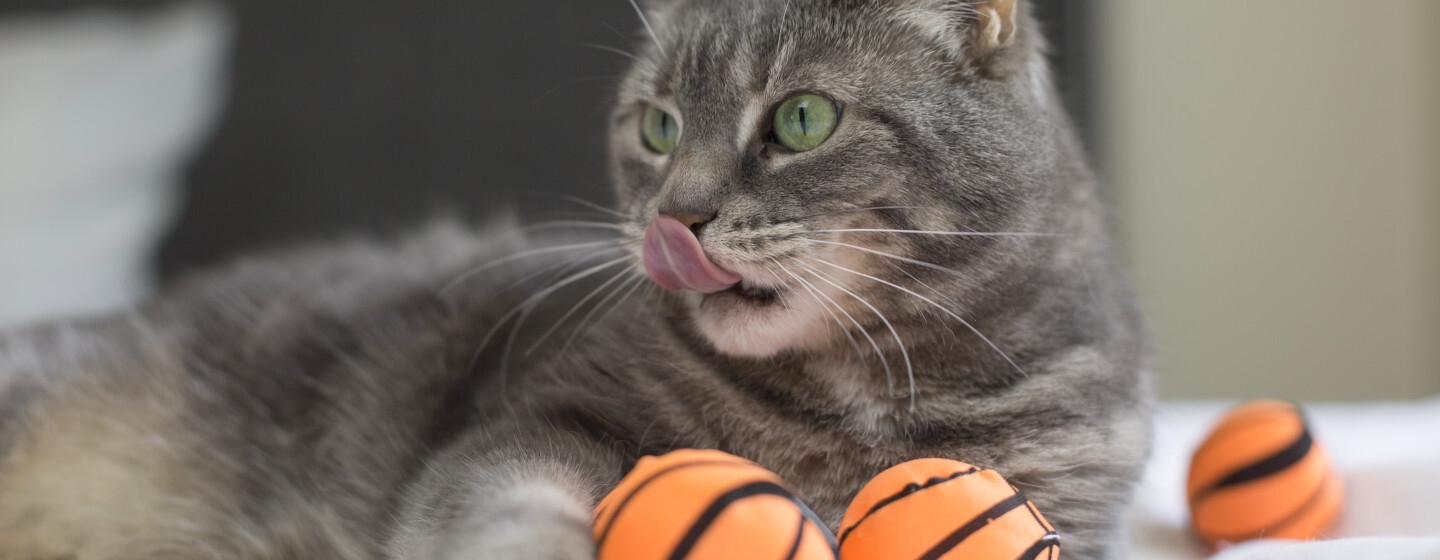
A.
pixel 752 119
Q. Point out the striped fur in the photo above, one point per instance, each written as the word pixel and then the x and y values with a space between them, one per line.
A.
pixel 365 400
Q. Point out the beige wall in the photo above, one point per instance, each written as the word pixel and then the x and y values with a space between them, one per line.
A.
pixel 1276 166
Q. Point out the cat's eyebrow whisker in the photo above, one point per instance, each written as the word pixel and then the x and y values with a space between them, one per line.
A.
pixel 578 304
pixel 816 295
pixel 784 15
pixel 517 256
pixel 648 29
pixel 942 308
pixel 937 232
pixel 909 369
pixel 917 262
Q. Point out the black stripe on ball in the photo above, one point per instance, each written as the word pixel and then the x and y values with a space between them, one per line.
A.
pixel 1272 464
pixel 906 491
pixel 1310 503
pixel 976 524
pixel 718 506
pixel 600 542
pixel 1281 460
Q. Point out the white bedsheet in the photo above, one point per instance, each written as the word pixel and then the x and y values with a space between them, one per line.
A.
pixel 1388 453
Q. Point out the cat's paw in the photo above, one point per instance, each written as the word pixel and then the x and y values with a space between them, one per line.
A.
pixel 508 542
pixel 528 521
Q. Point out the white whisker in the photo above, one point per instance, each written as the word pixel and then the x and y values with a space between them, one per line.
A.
pixel 930 265
pixel 946 310
pixel 578 305
pixel 780 36
pixel 855 210
pixel 607 48
pixel 530 304
pixel 784 301
pixel 577 81
pixel 517 256
pixel 623 37
pixel 525 307
pixel 633 283
pixel 560 269
pixel 909 369
pixel 939 293
pixel 594 206
pixel 579 224
pixel 929 232
pixel 816 295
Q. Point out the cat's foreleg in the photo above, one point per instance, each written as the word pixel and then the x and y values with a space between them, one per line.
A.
pixel 521 496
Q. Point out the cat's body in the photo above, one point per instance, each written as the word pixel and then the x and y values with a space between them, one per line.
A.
pixel 364 401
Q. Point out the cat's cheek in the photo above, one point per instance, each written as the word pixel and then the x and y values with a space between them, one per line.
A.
pixel 740 328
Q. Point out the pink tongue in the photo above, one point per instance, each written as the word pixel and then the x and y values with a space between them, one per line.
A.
pixel 674 259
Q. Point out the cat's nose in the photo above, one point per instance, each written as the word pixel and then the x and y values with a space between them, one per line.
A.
pixel 692 220
pixel 695 221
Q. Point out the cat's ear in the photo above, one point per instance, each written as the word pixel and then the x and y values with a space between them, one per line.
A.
pixel 977 29
pixel 995 22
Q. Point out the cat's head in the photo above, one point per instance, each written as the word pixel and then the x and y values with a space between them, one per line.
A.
pixel 756 141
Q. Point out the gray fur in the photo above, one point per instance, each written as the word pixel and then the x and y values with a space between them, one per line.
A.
pixel 363 400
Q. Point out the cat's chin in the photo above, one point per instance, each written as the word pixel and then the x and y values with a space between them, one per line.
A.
pixel 758 325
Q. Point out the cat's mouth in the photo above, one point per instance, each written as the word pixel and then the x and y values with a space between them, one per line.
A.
pixel 758 320
pixel 739 314
pixel 674 259
pixel 752 294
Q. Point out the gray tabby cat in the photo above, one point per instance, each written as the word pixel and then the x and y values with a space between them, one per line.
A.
pixel 884 243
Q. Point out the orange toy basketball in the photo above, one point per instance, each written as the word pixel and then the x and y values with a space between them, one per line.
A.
pixel 706 505
pixel 942 509
pixel 1259 474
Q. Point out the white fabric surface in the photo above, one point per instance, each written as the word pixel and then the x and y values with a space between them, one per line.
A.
pixel 1355 548
pixel 1388 454
pixel 98 112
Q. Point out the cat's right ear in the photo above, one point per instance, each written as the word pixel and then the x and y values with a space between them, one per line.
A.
pixel 976 31
pixel 995 23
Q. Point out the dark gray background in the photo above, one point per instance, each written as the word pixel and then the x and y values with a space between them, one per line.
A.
pixel 371 115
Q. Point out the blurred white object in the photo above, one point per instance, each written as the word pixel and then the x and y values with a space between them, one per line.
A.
pixel 99 112
pixel 1386 548
pixel 1388 452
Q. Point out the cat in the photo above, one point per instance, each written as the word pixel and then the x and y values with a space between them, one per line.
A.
pixel 847 233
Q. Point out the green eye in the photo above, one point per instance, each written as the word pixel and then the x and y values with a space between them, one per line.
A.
pixel 805 121
pixel 660 130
